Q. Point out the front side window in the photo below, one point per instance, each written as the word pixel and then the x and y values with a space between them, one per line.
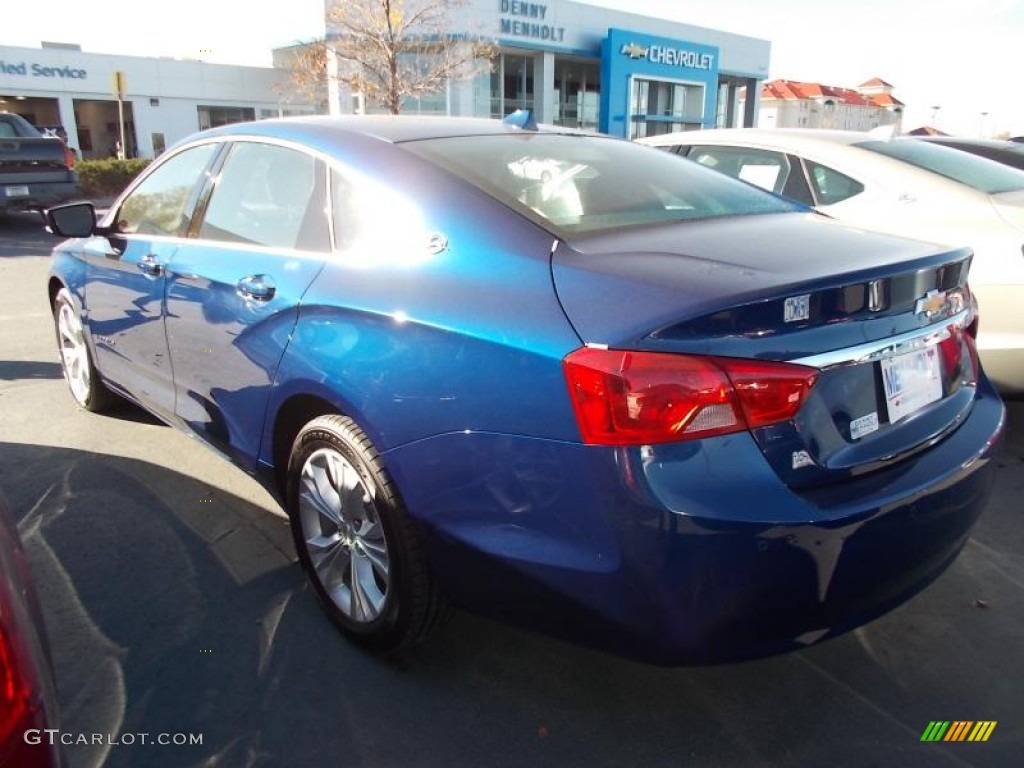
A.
pixel 760 167
pixel 268 195
pixel 161 203
pixel 578 184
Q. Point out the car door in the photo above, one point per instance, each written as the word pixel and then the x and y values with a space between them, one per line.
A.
pixel 126 279
pixel 234 286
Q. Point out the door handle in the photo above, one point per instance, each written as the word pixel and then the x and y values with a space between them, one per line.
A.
pixel 150 266
pixel 256 288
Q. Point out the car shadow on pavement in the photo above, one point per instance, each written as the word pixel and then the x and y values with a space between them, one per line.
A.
pixel 125 410
pixel 21 232
pixel 13 370
pixel 176 608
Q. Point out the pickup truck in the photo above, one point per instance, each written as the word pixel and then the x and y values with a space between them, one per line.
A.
pixel 35 171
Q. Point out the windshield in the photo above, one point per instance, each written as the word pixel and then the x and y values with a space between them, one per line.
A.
pixel 985 175
pixel 584 184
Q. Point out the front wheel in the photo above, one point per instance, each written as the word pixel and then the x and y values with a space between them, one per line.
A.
pixel 355 540
pixel 89 392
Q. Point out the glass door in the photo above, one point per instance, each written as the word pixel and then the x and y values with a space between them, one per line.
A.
pixel 665 106
pixel 577 93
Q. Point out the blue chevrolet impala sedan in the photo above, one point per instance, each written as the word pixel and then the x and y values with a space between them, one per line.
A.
pixel 553 377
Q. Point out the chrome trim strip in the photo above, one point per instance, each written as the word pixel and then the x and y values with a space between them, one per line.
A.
pixel 890 347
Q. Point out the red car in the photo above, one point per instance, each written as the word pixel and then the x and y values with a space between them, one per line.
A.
pixel 28 701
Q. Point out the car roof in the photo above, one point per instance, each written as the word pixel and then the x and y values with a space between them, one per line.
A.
pixel 394 129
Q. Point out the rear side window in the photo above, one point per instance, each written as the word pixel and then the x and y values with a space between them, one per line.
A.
pixel 160 204
pixel 269 195
pixel 831 186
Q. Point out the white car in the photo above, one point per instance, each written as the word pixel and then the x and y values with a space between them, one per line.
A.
pixel 901 186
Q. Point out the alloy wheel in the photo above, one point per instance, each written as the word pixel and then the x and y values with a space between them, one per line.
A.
pixel 73 352
pixel 343 535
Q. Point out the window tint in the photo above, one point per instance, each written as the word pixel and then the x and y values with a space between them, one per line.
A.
pixel 985 175
pixel 577 184
pixel 160 205
pixel 268 195
pixel 831 186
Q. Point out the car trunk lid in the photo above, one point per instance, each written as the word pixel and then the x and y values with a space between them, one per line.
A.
pixel 886 321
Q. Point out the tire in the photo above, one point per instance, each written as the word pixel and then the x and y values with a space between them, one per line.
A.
pixel 359 548
pixel 80 374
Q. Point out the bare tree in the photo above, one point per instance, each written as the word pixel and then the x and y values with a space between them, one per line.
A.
pixel 391 50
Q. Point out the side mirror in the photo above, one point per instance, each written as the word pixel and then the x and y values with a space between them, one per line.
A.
pixel 72 220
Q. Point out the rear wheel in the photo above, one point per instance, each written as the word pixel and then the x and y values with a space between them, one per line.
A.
pixel 75 360
pixel 360 549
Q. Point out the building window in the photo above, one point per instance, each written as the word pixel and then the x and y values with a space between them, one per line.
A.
pixel 663 106
pixel 510 86
pixel 577 93
pixel 211 117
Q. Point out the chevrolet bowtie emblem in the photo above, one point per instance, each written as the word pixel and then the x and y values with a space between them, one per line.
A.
pixel 634 51
pixel 932 303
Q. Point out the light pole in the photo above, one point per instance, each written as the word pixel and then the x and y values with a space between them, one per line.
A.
pixel 935 112
pixel 981 128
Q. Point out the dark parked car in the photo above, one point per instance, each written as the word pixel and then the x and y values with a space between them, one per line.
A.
pixel 630 401
pixel 1006 152
pixel 28 701
pixel 35 170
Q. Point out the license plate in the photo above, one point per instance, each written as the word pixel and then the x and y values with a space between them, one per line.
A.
pixel 21 190
pixel 911 382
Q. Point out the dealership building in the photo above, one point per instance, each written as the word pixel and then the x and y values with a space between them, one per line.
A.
pixel 590 67
pixel 65 89
pixel 573 64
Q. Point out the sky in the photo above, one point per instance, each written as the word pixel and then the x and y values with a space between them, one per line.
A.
pixel 960 56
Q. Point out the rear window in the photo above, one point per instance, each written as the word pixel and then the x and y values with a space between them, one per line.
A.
pixel 587 184
pixel 985 175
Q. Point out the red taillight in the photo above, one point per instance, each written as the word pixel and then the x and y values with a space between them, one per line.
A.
pixel 15 696
pixel 69 157
pixel 770 393
pixel 637 398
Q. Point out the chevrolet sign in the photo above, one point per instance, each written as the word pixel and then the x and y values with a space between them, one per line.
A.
pixel 931 304
pixel 674 57
pixel 634 51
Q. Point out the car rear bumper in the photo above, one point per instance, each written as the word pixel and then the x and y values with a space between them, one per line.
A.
pixel 693 552
pixel 39 195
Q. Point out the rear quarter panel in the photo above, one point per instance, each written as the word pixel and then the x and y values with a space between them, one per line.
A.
pixel 411 346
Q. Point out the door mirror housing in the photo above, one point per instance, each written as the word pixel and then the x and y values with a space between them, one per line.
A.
pixel 73 220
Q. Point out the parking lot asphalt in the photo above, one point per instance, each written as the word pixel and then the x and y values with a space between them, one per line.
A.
pixel 174 606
